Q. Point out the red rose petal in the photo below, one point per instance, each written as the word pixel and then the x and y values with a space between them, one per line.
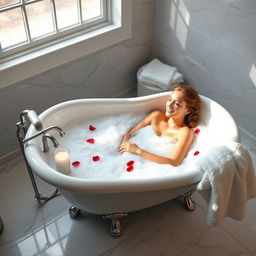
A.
pixel 130 163
pixel 196 153
pixel 90 141
pixel 92 128
pixel 76 163
pixel 197 131
pixel 95 158
pixel 129 168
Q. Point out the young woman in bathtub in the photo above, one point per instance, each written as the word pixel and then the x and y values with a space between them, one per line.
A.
pixel 182 114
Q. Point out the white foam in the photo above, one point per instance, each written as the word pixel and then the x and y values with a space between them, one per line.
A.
pixel 112 164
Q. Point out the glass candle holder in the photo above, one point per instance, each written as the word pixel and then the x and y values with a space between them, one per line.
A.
pixel 62 160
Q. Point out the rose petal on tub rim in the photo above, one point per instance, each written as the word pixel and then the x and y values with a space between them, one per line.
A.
pixel 197 131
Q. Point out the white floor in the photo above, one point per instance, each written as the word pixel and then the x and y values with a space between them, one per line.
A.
pixel 31 228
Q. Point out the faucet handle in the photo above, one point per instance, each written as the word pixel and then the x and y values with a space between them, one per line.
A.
pixel 33 118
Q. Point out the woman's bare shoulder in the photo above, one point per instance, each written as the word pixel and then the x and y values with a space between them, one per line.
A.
pixel 186 132
pixel 157 113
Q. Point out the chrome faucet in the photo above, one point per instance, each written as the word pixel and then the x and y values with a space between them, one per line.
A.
pixel 46 135
pixel 45 141
pixel 57 128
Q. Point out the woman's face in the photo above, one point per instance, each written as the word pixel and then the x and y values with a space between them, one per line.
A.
pixel 175 105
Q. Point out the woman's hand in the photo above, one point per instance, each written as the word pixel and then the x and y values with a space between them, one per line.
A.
pixel 128 146
pixel 125 138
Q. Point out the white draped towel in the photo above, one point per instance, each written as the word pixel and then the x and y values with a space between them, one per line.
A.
pixel 228 182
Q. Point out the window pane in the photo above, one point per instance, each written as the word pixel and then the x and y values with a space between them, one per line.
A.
pixel 67 13
pixel 40 18
pixel 12 29
pixel 8 2
pixel 91 9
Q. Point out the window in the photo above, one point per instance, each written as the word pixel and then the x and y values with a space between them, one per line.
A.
pixel 28 24
pixel 47 52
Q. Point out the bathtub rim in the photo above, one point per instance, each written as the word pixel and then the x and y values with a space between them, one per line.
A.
pixel 110 186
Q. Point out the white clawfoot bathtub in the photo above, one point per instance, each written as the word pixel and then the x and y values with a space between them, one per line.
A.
pixel 120 196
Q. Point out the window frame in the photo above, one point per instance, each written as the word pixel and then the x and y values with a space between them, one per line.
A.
pixel 31 63
pixel 57 35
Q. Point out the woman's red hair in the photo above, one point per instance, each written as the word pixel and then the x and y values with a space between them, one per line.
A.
pixel 192 99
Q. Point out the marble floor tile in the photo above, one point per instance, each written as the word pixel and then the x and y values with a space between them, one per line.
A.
pixel 167 229
pixel 21 213
pixel 244 231
pixel 215 241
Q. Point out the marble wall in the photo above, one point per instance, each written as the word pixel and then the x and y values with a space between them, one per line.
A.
pixel 213 43
pixel 102 74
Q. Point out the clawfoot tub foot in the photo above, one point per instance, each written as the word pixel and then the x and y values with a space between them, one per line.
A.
pixel 74 212
pixel 189 202
pixel 116 229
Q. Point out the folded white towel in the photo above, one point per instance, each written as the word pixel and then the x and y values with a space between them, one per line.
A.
pixel 158 74
pixel 177 78
pixel 228 182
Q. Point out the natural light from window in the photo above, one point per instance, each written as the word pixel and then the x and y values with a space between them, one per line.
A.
pixel 50 240
pixel 179 21
pixel 39 35
pixel 24 22
pixel 252 74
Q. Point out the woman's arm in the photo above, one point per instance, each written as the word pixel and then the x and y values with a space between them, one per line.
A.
pixel 179 152
pixel 182 146
pixel 146 121
pixel 155 158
